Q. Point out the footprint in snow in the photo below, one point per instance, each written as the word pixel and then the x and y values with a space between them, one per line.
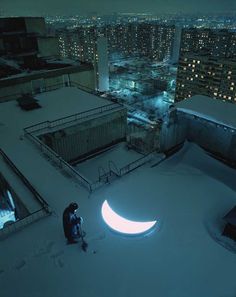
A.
pixel 44 250
pixel 57 259
pixel 20 265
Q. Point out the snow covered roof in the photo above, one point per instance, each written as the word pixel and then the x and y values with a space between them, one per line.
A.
pixel 210 109
pixel 37 262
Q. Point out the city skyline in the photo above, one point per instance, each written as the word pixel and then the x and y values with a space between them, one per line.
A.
pixel 70 7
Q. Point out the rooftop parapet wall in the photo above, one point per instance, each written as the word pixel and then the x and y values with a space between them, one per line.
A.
pixel 14 25
pixel 216 137
pixel 14 87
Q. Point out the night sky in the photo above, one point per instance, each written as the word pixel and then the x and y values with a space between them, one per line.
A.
pixel 72 7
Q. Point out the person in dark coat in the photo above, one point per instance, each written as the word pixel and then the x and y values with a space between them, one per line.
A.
pixel 71 223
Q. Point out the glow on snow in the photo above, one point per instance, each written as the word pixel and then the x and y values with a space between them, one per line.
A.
pixel 122 225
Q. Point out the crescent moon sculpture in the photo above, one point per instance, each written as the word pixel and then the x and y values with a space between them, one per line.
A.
pixel 122 225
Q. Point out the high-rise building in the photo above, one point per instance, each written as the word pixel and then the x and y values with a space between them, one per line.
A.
pixel 217 43
pixel 205 75
pixel 207 64
pixel 125 40
pixel 78 44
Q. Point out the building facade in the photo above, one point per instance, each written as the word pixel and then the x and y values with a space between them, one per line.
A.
pixel 213 42
pixel 124 40
pixel 205 75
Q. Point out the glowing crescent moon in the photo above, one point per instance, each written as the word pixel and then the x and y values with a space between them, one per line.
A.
pixel 120 224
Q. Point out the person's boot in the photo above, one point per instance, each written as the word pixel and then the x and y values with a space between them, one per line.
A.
pixel 71 241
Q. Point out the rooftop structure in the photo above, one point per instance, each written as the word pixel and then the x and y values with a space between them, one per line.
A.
pixel 208 122
pixel 216 111
pixel 30 60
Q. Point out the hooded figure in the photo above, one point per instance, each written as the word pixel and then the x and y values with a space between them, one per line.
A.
pixel 71 223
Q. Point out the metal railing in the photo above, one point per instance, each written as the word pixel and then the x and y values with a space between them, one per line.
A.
pixel 54 87
pixel 43 211
pixel 19 224
pixel 72 118
pixel 62 164
pixel 137 163
pixel 103 178
pixel 31 131
pixel 25 181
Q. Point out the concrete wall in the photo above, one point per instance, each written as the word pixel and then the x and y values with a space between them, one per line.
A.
pixel 211 136
pixel 14 90
pixel 48 47
pixel 172 132
pixel 88 137
pixel 35 25
pixel 2 48
pixel 85 78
